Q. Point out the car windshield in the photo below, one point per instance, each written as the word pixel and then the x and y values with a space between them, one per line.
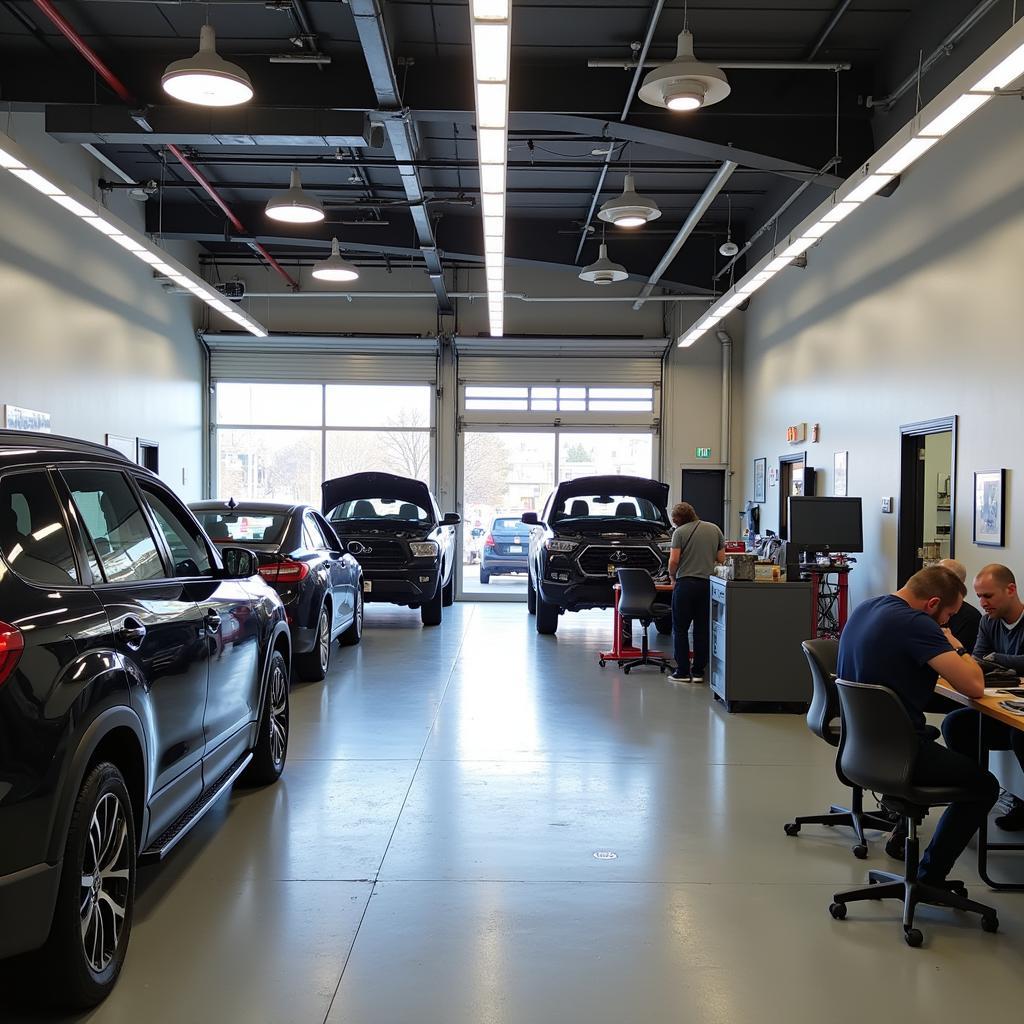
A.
pixel 607 506
pixel 508 524
pixel 388 509
pixel 242 527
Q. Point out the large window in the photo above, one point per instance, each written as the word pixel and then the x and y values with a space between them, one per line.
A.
pixel 279 442
pixel 488 398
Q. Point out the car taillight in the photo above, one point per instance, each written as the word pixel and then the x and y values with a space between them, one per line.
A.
pixel 12 643
pixel 284 572
pixel 489 542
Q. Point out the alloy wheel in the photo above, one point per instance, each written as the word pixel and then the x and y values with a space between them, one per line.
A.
pixel 278 697
pixel 106 867
pixel 324 641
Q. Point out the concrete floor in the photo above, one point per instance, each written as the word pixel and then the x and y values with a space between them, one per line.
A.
pixel 478 825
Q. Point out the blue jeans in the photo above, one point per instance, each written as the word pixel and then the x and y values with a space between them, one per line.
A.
pixel 691 604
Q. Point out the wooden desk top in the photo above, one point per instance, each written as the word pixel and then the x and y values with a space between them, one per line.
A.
pixel 617 587
pixel 986 705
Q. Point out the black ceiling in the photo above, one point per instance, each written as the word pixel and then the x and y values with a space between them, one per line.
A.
pixel 780 126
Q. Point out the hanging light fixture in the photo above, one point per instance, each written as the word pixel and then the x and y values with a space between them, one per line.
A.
pixel 603 271
pixel 206 78
pixel 629 210
pixel 334 268
pixel 686 83
pixel 729 247
pixel 295 206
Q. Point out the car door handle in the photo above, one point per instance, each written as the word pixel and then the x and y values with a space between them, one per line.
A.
pixel 132 633
pixel 212 620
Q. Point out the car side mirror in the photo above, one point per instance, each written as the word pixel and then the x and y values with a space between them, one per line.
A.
pixel 239 563
pixel 530 518
pixel 451 519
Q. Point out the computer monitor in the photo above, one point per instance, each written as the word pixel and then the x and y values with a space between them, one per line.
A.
pixel 826 524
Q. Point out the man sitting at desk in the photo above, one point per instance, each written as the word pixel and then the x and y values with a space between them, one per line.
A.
pixel 1000 639
pixel 963 625
pixel 899 641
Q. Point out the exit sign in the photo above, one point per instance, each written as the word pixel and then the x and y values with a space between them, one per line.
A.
pixel 703 453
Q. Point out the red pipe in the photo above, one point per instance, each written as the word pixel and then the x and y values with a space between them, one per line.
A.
pixel 124 93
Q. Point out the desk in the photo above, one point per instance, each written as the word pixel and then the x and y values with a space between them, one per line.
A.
pixel 989 707
pixel 626 652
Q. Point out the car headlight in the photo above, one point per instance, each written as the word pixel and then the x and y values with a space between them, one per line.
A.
pixel 424 549
pixel 665 546
pixel 561 545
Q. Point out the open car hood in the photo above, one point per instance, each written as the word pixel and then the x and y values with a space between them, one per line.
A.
pixel 375 485
pixel 636 486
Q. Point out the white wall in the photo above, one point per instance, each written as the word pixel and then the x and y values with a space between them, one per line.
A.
pixel 87 334
pixel 912 309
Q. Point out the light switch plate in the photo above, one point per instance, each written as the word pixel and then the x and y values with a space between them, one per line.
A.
pixel 887 504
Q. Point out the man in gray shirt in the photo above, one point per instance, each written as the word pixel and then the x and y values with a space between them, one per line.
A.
pixel 696 547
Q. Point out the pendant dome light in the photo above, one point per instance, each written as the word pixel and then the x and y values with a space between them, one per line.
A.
pixel 629 210
pixel 206 78
pixel 334 268
pixel 729 247
pixel 686 83
pixel 295 206
pixel 603 271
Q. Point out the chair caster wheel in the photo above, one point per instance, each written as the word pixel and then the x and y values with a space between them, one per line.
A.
pixel 990 923
pixel 792 828
pixel 602 663
pixel 860 852
pixel 626 670
pixel 913 937
pixel 838 911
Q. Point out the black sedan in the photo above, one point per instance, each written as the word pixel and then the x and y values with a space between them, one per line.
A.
pixel 302 558
pixel 405 546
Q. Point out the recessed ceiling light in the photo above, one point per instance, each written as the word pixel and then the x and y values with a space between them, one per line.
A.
pixel 295 206
pixel 206 78
pixel 686 83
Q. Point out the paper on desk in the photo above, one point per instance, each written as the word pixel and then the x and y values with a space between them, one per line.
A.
pixel 998 691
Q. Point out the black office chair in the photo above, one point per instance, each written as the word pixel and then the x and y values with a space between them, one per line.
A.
pixel 878 754
pixel 823 719
pixel 639 600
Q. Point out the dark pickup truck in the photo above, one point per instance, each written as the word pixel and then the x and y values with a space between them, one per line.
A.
pixel 393 527
pixel 590 527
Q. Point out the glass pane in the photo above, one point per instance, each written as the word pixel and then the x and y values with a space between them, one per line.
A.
pixel 272 404
pixel 594 454
pixel 621 406
pixel 33 538
pixel 504 475
pixel 543 405
pixel 269 465
pixel 373 507
pixel 242 527
pixel 402 452
pixel 114 521
pixel 647 393
pixel 186 545
pixel 497 403
pixel 544 392
pixel 494 392
pixel 572 405
pixel 572 392
pixel 370 405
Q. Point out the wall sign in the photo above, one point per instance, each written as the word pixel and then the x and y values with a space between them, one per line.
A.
pixel 703 453
pixel 796 433
pixel 16 418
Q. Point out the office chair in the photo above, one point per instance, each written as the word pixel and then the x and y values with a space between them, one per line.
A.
pixel 638 600
pixel 823 721
pixel 878 754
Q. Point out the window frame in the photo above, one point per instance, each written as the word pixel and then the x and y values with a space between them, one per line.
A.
pixel 167 555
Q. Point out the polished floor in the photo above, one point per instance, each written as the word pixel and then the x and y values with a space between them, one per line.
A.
pixel 478 825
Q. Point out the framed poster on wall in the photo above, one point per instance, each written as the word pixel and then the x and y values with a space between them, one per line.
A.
pixel 989 508
pixel 759 474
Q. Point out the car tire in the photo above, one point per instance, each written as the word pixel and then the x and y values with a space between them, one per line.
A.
pixel 547 617
pixel 354 633
pixel 271 750
pixel 485 577
pixel 664 625
pixel 430 611
pixel 82 964
pixel 448 592
pixel 531 595
pixel 312 667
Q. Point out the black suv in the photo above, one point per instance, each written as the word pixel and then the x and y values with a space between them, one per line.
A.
pixel 395 530
pixel 590 527
pixel 141 672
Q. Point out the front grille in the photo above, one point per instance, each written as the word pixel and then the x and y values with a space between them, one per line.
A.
pixel 595 559
pixel 382 554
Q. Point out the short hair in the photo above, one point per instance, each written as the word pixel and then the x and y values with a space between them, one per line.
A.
pixel 937 581
pixel 956 568
pixel 1001 574
pixel 683 512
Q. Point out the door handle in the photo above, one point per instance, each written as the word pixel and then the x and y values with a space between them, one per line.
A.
pixel 212 620
pixel 132 633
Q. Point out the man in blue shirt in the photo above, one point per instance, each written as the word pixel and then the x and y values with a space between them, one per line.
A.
pixel 1000 639
pixel 899 641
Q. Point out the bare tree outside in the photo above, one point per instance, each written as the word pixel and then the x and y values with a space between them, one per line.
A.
pixel 486 468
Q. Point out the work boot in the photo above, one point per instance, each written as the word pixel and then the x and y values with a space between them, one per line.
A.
pixel 1013 819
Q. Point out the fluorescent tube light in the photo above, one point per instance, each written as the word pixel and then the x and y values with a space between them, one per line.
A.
pixel 490 10
pixel 493 203
pixel 731 303
pixel 37 181
pixel 1003 74
pixel 496 246
pixel 690 339
pixel 956 113
pixel 906 155
pixel 492 144
pixel 494 226
pixel 101 225
pixel 491 104
pixel 872 184
pixel 490 52
pixel 221 307
pixel 779 263
pixel 8 161
pixel 73 206
pixel 798 248
pixel 147 257
pixel 839 212
pixel 492 177
pixel 815 231
pixel 127 243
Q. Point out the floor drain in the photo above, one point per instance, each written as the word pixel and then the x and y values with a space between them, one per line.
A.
pixel 605 855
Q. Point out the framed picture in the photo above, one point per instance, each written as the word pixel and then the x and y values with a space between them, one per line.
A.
pixel 759 472
pixel 989 508
pixel 839 474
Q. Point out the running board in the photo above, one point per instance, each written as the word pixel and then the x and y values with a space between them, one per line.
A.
pixel 182 825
